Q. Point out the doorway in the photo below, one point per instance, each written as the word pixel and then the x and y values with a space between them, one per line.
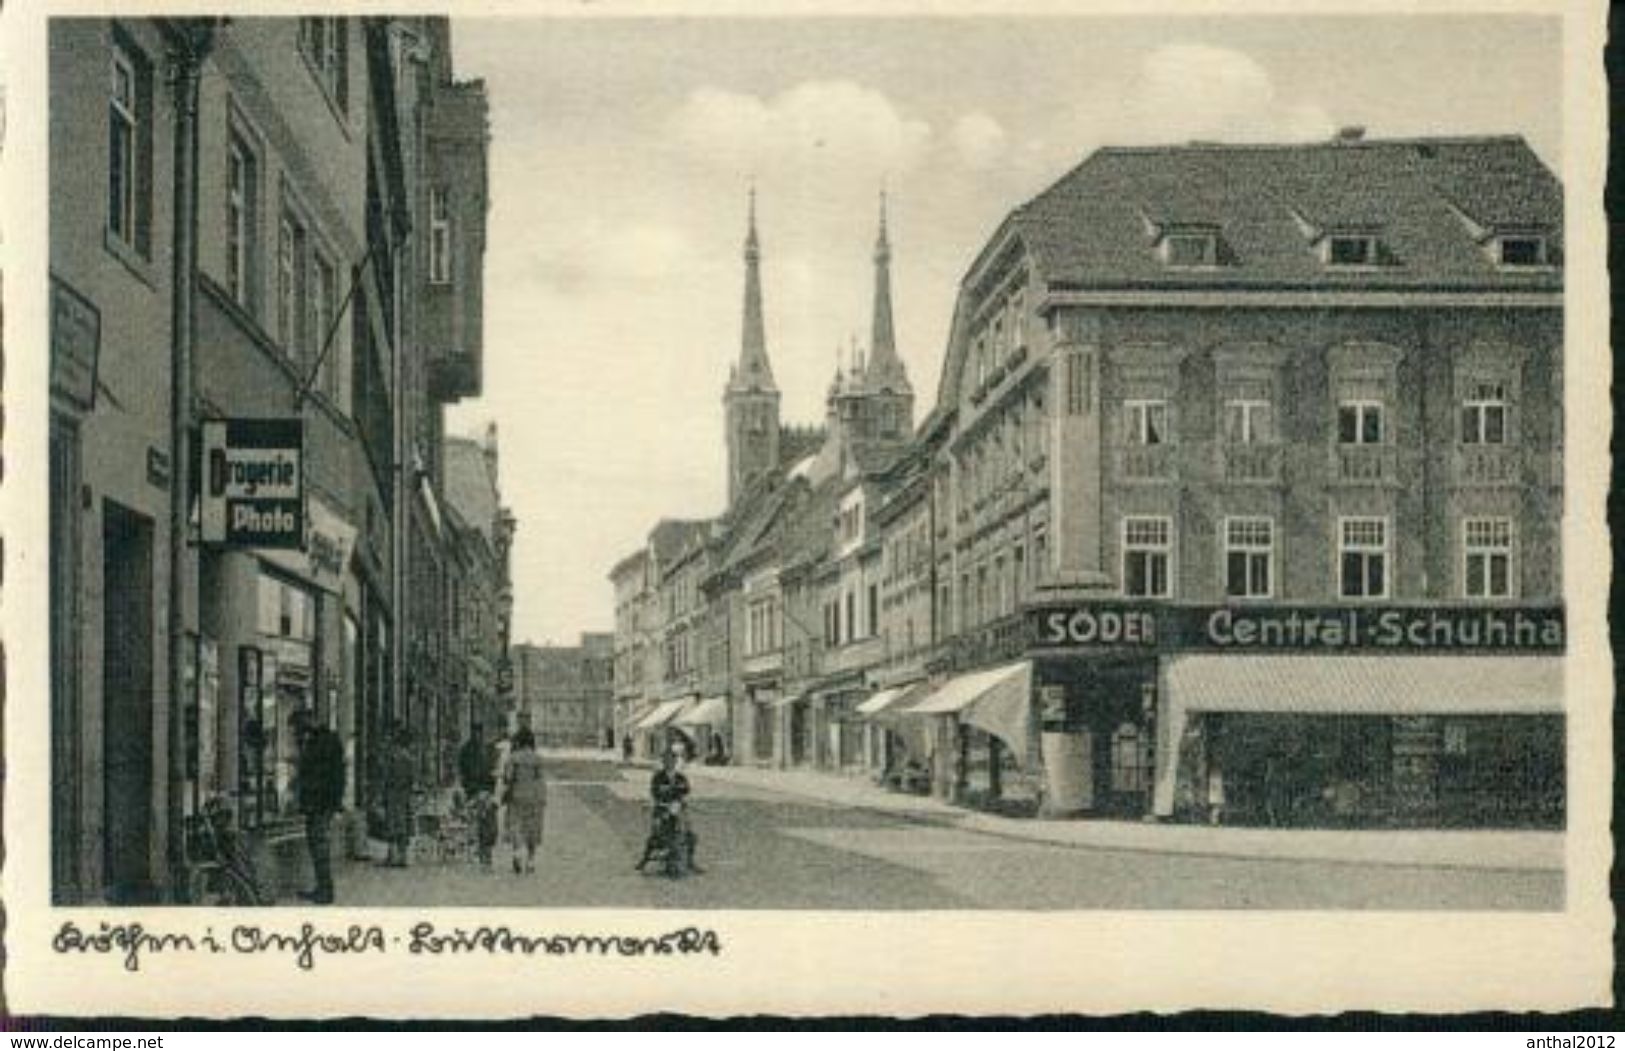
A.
pixel 127 699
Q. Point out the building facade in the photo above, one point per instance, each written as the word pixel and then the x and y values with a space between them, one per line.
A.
pixel 230 222
pixel 112 328
pixel 635 648
pixel 566 694
pixel 443 125
pixel 1323 388
pixel 480 604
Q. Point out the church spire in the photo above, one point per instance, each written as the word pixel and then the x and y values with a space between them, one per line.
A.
pixel 753 372
pixel 885 367
pixel 751 399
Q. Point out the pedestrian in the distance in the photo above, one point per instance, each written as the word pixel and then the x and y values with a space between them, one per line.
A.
pixel 399 781
pixel 474 764
pixel 321 795
pixel 525 793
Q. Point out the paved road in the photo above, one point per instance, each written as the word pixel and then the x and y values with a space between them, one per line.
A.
pixel 762 850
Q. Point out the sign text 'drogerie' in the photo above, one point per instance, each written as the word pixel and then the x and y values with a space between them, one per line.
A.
pixel 253 483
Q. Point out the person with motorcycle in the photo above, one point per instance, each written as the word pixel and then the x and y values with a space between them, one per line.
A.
pixel 669 829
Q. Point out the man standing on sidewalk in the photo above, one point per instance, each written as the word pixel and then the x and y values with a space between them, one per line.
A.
pixel 321 794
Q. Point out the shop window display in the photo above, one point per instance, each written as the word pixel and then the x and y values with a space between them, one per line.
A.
pixel 287 633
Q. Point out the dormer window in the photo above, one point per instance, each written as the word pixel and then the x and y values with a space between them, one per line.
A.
pixel 1520 250
pixel 1190 250
pixel 1351 250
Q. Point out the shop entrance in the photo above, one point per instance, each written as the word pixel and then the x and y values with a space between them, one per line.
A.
pixel 763 716
pixel 1117 714
pixel 127 697
pixel 799 732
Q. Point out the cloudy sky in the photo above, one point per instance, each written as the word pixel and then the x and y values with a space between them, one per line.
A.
pixel 622 151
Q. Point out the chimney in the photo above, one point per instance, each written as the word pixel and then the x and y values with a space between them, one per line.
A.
pixel 1351 133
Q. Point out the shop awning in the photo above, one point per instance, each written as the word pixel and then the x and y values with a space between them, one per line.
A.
pixel 997 701
pixel 788 698
pixel 1328 685
pixel 713 711
pixel 888 698
pixel 1420 685
pixel 663 714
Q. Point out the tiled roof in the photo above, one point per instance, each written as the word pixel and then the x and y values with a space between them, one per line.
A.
pixel 1097 226
pixel 797 443
pixel 671 536
pixel 752 524
pixel 876 457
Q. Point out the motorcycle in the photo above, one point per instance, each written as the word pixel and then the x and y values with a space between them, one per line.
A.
pixel 671 842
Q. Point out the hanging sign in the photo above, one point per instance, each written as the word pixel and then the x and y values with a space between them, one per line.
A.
pixel 254 483
pixel 329 539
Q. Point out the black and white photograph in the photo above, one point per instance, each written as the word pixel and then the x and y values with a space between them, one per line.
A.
pixel 889 467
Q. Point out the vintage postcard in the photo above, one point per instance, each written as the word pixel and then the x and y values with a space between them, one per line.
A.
pixel 741 509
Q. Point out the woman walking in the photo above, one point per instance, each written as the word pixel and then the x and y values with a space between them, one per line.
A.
pixel 526 796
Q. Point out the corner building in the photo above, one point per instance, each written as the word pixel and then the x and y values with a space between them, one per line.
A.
pixel 1201 397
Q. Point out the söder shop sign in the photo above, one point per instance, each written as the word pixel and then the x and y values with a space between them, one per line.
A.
pixel 1302 629
pixel 254 483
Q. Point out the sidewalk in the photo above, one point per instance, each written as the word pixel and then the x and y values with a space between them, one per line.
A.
pixel 1438 848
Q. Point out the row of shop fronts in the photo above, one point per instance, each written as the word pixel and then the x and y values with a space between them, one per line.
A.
pixel 245 422
pixel 1278 716
pixel 693 726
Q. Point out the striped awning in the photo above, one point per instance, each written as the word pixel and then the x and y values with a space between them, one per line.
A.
pixel 663 714
pixel 1343 685
pixel 713 711
pixel 1396 685
pixel 889 698
pixel 997 701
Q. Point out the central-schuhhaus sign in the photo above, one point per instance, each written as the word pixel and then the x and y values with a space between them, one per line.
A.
pixel 1304 629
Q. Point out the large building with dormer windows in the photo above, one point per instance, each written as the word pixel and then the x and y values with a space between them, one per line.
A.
pixel 1254 486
